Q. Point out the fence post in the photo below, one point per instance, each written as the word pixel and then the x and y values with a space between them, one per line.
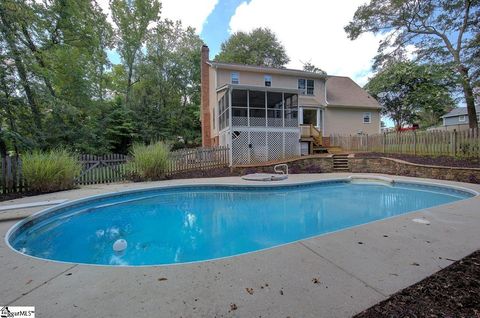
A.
pixel 383 142
pixel 366 142
pixel 454 143
pixel 414 143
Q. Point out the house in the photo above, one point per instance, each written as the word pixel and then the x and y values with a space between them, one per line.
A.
pixel 458 119
pixel 266 114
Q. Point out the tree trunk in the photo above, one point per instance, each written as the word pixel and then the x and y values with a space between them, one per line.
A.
pixel 31 45
pixel 469 98
pixel 129 84
pixel 22 72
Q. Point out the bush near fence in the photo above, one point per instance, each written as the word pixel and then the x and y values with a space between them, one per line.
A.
pixel 114 167
pixel 464 144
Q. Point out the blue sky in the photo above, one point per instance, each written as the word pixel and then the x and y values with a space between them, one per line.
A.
pixel 216 28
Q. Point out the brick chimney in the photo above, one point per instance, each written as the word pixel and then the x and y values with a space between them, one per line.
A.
pixel 205 99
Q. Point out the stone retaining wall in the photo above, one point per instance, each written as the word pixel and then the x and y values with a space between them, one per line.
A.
pixel 403 168
pixel 371 165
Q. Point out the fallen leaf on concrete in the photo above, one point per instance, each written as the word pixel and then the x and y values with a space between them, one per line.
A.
pixel 249 290
pixel 233 307
pixel 162 279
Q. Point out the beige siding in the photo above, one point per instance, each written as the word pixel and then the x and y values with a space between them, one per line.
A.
pixel 349 121
pixel 278 81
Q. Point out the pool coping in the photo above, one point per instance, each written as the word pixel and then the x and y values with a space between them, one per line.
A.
pixel 348 268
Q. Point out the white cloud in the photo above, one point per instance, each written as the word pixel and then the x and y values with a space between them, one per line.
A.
pixel 191 13
pixel 312 30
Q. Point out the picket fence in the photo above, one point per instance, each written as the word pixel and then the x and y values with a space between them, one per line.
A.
pixel 115 167
pixel 461 144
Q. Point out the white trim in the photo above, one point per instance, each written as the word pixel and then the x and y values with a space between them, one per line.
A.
pixel 462 118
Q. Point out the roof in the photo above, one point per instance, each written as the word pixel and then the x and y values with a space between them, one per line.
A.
pixel 459 111
pixel 264 69
pixel 343 91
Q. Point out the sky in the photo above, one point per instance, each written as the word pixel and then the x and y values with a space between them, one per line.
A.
pixel 311 30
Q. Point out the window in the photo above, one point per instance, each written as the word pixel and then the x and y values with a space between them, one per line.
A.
pixel 306 85
pixel 235 78
pixel 310 84
pixel 367 118
pixel 268 80
pixel 214 119
pixel 461 118
pixel 310 117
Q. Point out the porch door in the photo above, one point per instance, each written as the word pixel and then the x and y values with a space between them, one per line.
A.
pixel 312 116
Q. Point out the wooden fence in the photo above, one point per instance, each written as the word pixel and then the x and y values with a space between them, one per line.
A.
pixel 198 159
pixel 114 167
pixel 11 179
pixel 464 144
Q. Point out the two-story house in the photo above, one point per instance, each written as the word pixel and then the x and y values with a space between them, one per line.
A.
pixel 266 114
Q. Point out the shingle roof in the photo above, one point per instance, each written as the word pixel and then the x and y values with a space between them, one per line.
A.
pixel 263 69
pixel 343 91
pixel 459 111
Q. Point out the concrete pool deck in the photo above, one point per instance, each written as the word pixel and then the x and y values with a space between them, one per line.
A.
pixel 334 275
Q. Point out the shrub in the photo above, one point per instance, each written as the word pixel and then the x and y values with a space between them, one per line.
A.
pixel 150 162
pixel 50 171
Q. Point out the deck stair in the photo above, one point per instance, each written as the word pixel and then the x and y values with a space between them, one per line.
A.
pixel 310 134
pixel 340 162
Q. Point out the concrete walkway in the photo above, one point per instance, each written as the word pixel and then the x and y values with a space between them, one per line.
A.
pixel 327 276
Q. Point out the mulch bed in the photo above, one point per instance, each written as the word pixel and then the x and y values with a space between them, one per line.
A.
pixel 452 292
pixel 426 160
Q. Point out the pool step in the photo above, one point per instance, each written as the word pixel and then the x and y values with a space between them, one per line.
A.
pixel 340 162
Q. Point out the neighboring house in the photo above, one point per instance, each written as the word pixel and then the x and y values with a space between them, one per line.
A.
pixel 266 114
pixel 458 118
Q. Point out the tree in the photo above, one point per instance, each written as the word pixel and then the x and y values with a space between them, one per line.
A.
pixel 132 19
pixel 309 67
pixel 166 102
pixel 441 30
pixel 410 92
pixel 258 47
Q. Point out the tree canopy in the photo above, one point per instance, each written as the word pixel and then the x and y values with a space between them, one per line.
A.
pixel 259 47
pixel 413 93
pixel 58 87
pixel 442 31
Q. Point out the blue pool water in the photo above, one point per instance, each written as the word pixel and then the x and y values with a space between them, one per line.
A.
pixel 185 224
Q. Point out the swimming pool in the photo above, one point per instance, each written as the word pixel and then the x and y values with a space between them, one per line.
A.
pixel 182 224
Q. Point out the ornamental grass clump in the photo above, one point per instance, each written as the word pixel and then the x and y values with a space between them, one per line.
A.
pixel 150 162
pixel 47 171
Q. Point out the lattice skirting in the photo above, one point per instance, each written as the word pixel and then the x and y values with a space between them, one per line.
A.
pixel 260 146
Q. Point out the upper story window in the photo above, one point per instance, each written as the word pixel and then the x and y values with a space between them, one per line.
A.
pixel 235 79
pixel 268 80
pixel 306 85
pixel 367 118
pixel 461 118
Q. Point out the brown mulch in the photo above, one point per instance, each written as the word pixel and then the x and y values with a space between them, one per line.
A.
pixel 426 160
pixel 452 292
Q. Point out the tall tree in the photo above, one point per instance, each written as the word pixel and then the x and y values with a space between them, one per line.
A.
pixel 309 67
pixel 410 92
pixel 166 101
pixel 258 47
pixel 132 18
pixel 443 30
